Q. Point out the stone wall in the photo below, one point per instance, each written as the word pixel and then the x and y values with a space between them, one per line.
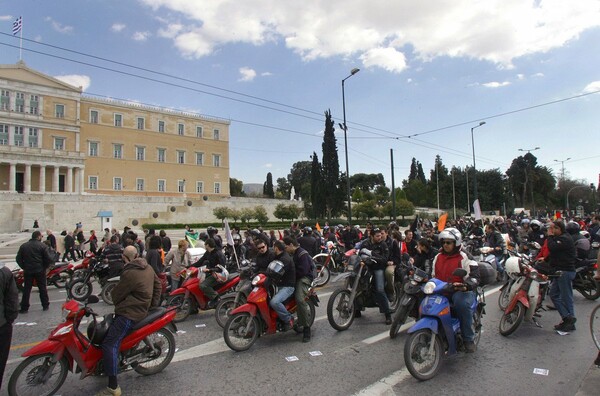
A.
pixel 63 211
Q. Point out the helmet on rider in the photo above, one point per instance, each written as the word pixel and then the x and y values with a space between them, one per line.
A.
pixel 451 234
pixel 585 234
pixel 255 232
pixel 307 230
pixel 276 270
pixel 525 222
pixel 535 224
pixel 236 238
pixel 203 236
pixel 211 230
pixel 572 227
pixel 499 220
pixel 222 275
pixel 97 330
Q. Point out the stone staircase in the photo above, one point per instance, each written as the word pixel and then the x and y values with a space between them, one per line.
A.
pixel 33 211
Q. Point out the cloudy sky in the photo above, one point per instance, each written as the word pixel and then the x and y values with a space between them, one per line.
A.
pixel 429 71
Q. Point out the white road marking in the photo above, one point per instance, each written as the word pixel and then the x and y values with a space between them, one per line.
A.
pixel 208 348
pixel 385 386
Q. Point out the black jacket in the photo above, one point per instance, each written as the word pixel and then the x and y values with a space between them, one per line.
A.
pixel 289 276
pixel 34 257
pixel 52 239
pixel 9 297
pixel 263 261
pixel 303 262
pixel 113 253
pixel 562 252
pixel 310 244
pixel 424 260
pixel 394 251
pixel 69 242
pixel 379 253
pixel 212 259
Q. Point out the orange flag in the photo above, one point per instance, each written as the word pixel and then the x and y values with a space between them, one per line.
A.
pixel 318 227
pixel 442 221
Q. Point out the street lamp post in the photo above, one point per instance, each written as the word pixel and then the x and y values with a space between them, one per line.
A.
pixel 475 197
pixel 591 187
pixel 345 128
pixel 527 176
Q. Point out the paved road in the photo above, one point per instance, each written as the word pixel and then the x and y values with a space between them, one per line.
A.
pixel 362 360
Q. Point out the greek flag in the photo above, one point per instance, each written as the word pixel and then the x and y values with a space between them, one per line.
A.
pixel 17 25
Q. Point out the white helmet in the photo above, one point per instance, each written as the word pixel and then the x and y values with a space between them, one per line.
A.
pixel 222 276
pixel 452 234
pixel 525 221
pixel 511 266
pixel 536 223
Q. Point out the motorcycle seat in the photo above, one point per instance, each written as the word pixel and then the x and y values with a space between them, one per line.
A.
pixel 153 315
pixel 232 275
pixel 60 264
pixel 584 263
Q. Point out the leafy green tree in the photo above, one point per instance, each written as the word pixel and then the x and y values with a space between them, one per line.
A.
pixel 294 211
pixel 236 187
pixel 268 187
pixel 283 188
pixel 405 208
pixel 334 194
pixel 247 214
pixel 317 193
pixel 299 178
pixel 414 172
pixel 260 214
pixel 357 195
pixel 366 182
pixel 281 212
pixel 222 212
pixel 367 209
pixel 234 215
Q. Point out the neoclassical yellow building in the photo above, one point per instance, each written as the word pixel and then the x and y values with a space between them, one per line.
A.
pixel 55 139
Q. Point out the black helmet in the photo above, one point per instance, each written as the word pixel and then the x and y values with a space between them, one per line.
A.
pixel 255 232
pixel 101 329
pixel 203 236
pixel 572 227
pixel 211 230
pixel 275 270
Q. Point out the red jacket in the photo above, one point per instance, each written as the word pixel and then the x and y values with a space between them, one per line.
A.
pixel 444 265
pixel 544 251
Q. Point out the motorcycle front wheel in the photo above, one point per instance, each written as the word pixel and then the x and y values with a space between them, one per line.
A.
pixel 241 331
pixel 420 363
pixel 164 343
pixel 509 322
pixel 184 307
pixel 397 296
pixel 78 289
pixel 590 288
pixel 340 310
pixel 399 319
pixel 28 377
pixel 223 308
pixel 504 297
pixel 106 291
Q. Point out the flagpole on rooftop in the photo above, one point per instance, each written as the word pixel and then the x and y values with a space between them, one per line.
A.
pixel 21 41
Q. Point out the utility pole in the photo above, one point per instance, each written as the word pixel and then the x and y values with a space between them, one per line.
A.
pixel 453 194
pixel 393 187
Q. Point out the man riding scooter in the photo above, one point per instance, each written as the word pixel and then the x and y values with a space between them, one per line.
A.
pixel 212 259
pixel 286 285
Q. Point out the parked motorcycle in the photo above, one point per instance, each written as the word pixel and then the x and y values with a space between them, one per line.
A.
pixel 504 297
pixel 328 261
pixel 584 281
pixel 58 275
pixel 81 288
pixel 165 282
pixel 238 296
pixel 437 333
pixel 147 349
pixel 359 284
pixel 256 318
pixel 188 298
pixel 409 302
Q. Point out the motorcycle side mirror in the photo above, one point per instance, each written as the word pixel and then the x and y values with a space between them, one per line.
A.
pixel 93 299
pixel 461 272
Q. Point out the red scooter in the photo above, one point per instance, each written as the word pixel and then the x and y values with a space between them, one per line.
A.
pixel 58 275
pixel 256 317
pixel 189 298
pixel 147 349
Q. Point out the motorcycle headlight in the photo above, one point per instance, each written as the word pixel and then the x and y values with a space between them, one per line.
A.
pixel 255 280
pixel 429 288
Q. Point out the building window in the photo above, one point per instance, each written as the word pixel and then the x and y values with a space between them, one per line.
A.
pixel 117 151
pixel 180 157
pixel 59 111
pixel 20 102
pixel 216 160
pixel 216 134
pixel 162 185
pixel 34 104
pixel 140 153
pixel 117 184
pixel 93 116
pixel 18 136
pixel 118 120
pixel 217 188
pixel 59 143
pixel 199 158
pixel 199 132
pixel 161 154
pixel 139 184
pixel 180 129
pixel 3 134
pixel 93 149
pixel 4 100
pixel 161 126
pixel 92 182
pixel 199 187
pixel 140 123
pixel 33 137
pixel 181 186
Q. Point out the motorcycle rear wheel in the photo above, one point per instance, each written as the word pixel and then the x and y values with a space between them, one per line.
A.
pixel 241 331
pixel 164 340
pixel 184 307
pixel 23 380
pixel 78 289
pixel 511 321
pixel 591 288
pixel 106 291
pixel 503 298
pixel 340 311
pixel 595 326
pixel 323 273
pixel 416 354
pixel 399 319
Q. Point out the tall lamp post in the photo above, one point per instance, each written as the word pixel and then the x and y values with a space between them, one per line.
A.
pixel 531 183
pixel 562 168
pixel 475 196
pixel 591 187
pixel 345 128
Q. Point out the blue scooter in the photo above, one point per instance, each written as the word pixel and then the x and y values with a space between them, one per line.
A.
pixel 437 333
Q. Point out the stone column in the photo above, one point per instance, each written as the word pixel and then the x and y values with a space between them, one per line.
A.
pixel 77 181
pixel 12 177
pixel 82 180
pixel 69 184
pixel 27 179
pixel 42 178
pixel 55 178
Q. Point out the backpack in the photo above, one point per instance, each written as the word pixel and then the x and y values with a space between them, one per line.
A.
pixel 313 265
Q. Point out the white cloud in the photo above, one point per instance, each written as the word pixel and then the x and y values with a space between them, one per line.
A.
pixel 117 27
pixel 76 80
pixel 247 74
pixel 496 31
pixel 6 18
pixel 592 87
pixel 38 39
pixel 141 36
pixel 496 84
pixel 59 27
pixel 268 165
pixel 539 75
pixel 266 74
pixel 521 76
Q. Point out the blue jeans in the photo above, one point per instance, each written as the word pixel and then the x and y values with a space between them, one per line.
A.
pixel 561 293
pixel 380 296
pixel 119 328
pixel 277 303
pixel 499 264
pixel 462 309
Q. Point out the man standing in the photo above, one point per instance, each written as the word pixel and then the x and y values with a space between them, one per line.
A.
pixel 51 238
pixel 69 247
pixel 304 278
pixel 562 258
pixel 34 258
pixel 9 305
pixel 138 290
